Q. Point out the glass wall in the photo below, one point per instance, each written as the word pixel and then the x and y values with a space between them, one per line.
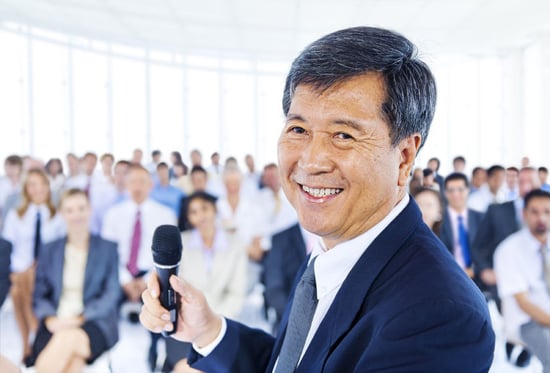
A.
pixel 63 93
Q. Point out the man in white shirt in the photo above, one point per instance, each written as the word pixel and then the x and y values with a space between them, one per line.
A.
pixel 522 266
pixel 132 223
pixel 489 193
pixel 381 292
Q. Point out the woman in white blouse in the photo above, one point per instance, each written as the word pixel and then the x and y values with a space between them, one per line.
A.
pixel 213 260
pixel 20 228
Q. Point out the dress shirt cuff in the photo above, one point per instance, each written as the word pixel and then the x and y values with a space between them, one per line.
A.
pixel 206 350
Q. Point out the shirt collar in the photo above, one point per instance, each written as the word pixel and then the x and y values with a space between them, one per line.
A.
pixel 531 242
pixel 333 266
pixel 220 240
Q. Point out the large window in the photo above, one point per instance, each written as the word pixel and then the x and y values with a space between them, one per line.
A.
pixel 62 93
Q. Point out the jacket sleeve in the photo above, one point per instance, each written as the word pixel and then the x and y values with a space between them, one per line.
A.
pixel 43 302
pixel 242 349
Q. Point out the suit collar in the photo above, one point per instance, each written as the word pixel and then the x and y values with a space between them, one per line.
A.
pixel 351 296
pixel 354 291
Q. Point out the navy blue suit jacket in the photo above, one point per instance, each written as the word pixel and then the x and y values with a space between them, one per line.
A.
pixel 282 263
pixel 499 222
pixel 101 286
pixel 446 231
pixel 5 260
pixel 405 306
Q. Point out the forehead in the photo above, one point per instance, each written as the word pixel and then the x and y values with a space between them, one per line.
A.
pixel 539 203
pixel 364 93
pixel 456 183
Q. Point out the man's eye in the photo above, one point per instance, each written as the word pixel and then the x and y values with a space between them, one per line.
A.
pixel 298 130
pixel 343 136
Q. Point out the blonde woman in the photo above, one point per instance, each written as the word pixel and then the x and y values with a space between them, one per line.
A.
pixel 76 294
pixel 27 227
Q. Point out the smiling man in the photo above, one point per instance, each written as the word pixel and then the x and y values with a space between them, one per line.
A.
pixel 379 292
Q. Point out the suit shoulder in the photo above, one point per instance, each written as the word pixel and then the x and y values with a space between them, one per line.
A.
pixel 5 244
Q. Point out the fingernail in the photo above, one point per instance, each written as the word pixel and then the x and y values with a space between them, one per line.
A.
pixel 154 294
pixel 168 327
pixel 165 317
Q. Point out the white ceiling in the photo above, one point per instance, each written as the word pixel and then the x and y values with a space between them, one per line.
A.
pixel 283 27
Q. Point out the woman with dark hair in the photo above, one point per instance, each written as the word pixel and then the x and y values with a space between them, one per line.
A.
pixel 214 260
pixel 76 293
pixel 27 228
pixel 175 159
pixel 431 206
pixel 54 170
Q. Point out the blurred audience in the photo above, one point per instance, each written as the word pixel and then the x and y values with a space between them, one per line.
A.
pixel 491 192
pixel 430 204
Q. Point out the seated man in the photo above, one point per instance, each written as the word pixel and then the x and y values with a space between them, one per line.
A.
pixel 522 266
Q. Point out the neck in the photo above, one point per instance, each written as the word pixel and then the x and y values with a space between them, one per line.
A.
pixel 78 238
pixel 207 235
pixel 458 210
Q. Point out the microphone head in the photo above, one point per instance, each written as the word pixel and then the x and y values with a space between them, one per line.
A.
pixel 166 245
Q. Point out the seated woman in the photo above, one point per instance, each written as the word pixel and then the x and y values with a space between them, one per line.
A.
pixel 33 223
pixel 76 294
pixel 214 261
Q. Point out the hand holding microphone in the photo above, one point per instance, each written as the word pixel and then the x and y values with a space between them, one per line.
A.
pixel 173 306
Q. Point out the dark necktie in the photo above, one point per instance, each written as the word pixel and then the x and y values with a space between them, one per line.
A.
pixel 37 235
pixel 545 266
pixel 299 321
pixel 134 246
pixel 464 242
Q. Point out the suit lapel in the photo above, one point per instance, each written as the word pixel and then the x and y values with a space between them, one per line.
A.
pixel 92 263
pixel 58 259
pixel 354 291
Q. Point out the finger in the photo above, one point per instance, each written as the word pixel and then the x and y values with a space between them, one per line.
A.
pixel 184 288
pixel 153 307
pixel 150 321
pixel 153 284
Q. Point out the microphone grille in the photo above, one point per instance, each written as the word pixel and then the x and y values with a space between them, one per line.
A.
pixel 166 245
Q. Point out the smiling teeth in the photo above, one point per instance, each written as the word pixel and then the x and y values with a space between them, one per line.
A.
pixel 323 192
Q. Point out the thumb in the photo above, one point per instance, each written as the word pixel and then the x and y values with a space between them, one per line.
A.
pixel 183 288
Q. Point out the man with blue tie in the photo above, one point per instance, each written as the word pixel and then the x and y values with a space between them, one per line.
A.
pixel 460 223
pixel 381 292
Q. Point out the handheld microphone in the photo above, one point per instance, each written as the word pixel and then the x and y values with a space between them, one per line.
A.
pixel 166 248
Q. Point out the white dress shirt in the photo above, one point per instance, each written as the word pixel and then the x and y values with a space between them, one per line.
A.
pixel 331 269
pixel 118 226
pixel 518 266
pixel 20 232
pixel 482 198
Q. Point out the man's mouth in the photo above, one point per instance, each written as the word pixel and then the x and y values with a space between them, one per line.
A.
pixel 321 192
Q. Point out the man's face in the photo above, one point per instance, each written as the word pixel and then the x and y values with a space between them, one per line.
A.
pixel 536 215
pixel 272 178
pixel 456 193
pixel 164 175
pixel 338 167
pixel 528 181
pixel 199 181
pixel 90 163
pixel 511 179
pixel 496 180
pixel 479 178
pixel 249 162
pixel 139 185
pixel 543 176
pixel 459 166
pixel 432 164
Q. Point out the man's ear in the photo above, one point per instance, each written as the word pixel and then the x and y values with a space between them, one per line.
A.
pixel 408 148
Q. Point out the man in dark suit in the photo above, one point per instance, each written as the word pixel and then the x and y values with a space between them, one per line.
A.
pixel 500 221
pixel 381 292
pixel 459 225
pixel 280 266
pixel 5 255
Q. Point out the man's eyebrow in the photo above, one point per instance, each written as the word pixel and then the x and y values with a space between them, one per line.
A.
pixel 291 117
pixel 349 123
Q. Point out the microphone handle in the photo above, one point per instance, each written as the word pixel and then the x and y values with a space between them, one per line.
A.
pixel 168 298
